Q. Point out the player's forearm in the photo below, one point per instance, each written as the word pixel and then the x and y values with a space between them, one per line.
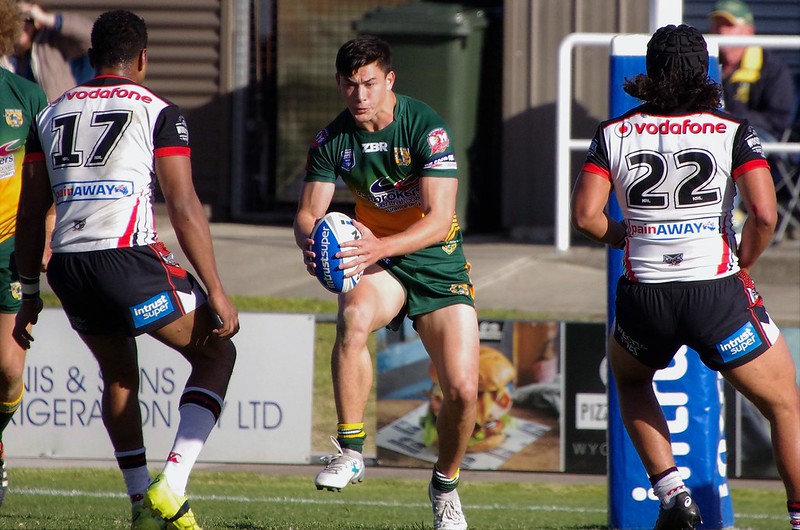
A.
pixel 756 236
pixel 428 231
pixel 29 243
pixel 601 228
pixel 303 225
pixel 194 238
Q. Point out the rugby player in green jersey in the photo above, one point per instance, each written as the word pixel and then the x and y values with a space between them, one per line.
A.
pixel 20 101
pixel 396 156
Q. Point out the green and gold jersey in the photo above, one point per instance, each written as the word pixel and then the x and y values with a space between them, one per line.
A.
pixel 20 101
pixel 383 168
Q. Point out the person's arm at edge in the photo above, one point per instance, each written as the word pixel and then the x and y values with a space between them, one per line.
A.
pixel 587 211
pixel 315 198
pixel 35 199
pixel 78 29
pixel 758 195
pixel 188 219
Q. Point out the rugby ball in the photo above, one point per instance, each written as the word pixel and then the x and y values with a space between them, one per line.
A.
pixel 328 235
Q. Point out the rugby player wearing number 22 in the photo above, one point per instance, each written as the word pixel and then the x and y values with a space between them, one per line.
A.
pixel 395 155
pixel 95 151
pixel 675 164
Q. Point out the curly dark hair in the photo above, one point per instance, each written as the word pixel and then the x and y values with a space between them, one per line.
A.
pixel 677 72
pixel 10 25
pixel 117 38
pixel 673 92
pixel 361 51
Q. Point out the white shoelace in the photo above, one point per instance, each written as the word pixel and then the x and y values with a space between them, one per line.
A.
pixel 339 462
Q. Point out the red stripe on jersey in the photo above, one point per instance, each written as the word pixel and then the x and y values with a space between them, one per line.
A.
pixel 626 262
pixel 722 268
pixel 33 157
pixel 175 150
pixel 589 167
pixel 748 166
pixel 158 248
pixel 125 240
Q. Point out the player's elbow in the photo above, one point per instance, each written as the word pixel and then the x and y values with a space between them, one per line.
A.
pixel 581 218
pixel 764 216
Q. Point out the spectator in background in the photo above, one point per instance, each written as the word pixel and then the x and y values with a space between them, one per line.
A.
pixel 51 50
pixel 757 84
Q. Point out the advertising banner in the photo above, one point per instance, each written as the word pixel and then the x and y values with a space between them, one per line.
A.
pixel 268 402
pixel 585 401
pixel 519 400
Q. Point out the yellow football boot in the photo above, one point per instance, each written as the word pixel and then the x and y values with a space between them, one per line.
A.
pixel 171 507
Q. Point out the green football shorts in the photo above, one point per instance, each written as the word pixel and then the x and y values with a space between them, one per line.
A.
pixel 433 278
pixel 10 290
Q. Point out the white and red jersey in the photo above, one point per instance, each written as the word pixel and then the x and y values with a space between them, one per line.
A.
pixel 100 141
pixel 673 176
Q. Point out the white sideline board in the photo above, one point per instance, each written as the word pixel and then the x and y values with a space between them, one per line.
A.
pixel 266 417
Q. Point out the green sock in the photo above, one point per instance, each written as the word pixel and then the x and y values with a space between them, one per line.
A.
pixel 351 436
pixel 442 482
pixel 7 410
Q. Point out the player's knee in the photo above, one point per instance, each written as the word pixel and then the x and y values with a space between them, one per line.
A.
pixel 10 375
pixel 224 355
pixel 353 323
pixel 462 392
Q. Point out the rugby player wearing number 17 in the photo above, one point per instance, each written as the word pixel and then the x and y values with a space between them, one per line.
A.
pixel 395 155
pixel 96 150
pixel 675 164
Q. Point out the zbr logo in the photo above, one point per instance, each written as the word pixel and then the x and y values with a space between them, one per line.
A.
pixel 150 310
pixel 623 129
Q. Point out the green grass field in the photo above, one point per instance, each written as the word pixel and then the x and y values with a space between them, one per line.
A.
pixel 76 498
pixel 66 499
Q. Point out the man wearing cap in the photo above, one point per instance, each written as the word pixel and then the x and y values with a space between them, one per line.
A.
pixel 757 84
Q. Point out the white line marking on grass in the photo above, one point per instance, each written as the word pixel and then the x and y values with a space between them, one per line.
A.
pixel 505 271
pixel 294 500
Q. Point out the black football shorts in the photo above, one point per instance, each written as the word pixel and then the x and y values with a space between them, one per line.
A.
pixel 131 290
pixel 724 320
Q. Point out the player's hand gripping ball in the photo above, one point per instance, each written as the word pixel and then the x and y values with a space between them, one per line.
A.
pixel 328 235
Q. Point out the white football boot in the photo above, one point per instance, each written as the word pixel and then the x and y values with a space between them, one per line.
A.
pixel 447 514
pixel 343 468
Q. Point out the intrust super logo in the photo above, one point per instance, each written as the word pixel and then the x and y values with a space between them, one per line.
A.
pixel 157 307
pixel 741 342
pixel 92 190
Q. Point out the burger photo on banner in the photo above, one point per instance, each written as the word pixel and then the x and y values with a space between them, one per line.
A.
pixel 517 422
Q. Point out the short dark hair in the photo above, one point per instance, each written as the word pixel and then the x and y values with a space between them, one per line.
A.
pixel 117 38
pixel 361 51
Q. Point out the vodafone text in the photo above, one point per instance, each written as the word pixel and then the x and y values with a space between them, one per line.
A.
pixel 106 93
pixel 686 126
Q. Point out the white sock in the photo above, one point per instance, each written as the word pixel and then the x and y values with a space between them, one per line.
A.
pixel 195 425
pixel 669 486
